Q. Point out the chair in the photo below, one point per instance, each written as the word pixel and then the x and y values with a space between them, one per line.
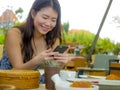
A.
pixel 80 62
pixel 102 61
pixel 114 67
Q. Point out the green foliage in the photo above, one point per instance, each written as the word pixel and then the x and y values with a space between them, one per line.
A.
pixel 105 45
pixel 116 49
pixel 65 26
pixel 19 12
pixel 86 38
pixel 2 38
pixel 4 30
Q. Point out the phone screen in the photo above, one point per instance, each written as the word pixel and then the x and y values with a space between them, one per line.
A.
pixel 61 48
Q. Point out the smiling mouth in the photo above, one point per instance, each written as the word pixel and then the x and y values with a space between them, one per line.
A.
pixel 45 29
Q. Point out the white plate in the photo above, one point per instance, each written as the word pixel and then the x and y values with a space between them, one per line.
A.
pixel 98 77
pixel 92 77
pixel 109 82
pixel 97 81
pixel 82 79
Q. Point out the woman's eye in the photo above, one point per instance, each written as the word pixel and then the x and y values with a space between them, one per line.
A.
pixel 45 17
pixel 53 20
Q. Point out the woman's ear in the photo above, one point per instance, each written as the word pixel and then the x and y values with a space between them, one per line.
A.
pixel 33 13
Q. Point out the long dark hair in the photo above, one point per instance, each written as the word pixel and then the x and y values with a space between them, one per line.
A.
pixel 27 28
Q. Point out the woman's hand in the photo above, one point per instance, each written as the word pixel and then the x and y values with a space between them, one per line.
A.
pixel 63 58
pixel 46 56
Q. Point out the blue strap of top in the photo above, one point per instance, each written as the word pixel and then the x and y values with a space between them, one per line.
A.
pixel 4 62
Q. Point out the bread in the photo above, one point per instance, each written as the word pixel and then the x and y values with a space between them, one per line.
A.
pixel 81 84
pixel 27 79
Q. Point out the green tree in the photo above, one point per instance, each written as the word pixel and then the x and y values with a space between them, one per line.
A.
pixel 19 12
pixel 65 26
pixel 116 49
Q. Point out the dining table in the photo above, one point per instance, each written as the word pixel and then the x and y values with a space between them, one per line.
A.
pixel 101 86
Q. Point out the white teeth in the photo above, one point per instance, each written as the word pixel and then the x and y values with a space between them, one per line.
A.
pixel 44 26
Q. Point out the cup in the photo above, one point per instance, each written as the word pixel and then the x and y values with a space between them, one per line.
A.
pixel 49 72
pixel 66 74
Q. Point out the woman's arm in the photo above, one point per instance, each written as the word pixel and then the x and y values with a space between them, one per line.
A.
pixel 13 47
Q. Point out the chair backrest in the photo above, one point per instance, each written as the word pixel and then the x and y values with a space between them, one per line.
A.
pixel 102 61
pixel 80 62
pixel 114 67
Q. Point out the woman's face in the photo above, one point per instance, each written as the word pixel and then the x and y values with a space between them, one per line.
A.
pixel 45 19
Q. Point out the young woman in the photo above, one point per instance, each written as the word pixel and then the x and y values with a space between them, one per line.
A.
pixel 31 44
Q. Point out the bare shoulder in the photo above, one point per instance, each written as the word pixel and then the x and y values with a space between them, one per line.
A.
pixel 13 34
pixel 13 31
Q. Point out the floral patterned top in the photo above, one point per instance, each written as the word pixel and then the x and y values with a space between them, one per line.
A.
pixel 4 62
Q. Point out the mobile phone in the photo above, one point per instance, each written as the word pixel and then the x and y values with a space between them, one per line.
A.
pixel 60 48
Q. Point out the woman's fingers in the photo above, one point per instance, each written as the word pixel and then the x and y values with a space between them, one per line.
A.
pixel 63 58
pixel 49 50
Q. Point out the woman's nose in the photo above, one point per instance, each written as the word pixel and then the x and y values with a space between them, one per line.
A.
pixel 48 23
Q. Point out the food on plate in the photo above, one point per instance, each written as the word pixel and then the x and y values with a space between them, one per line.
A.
pixel 81 84
pixel 20 78
pixel 112 77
